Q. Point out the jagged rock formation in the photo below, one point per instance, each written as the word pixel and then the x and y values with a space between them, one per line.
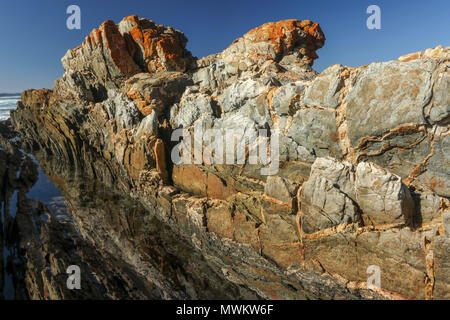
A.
pixel 112 53
pixel 364 177
pixel 117 246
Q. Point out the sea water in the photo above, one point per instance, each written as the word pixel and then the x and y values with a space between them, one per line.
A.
pixel 8 102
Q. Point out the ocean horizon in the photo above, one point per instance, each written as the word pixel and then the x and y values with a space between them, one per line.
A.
pixel 8 102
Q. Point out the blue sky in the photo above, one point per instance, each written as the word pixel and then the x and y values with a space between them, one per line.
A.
pixel 34 37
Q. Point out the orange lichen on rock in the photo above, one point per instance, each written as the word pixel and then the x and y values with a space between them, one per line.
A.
pixel 108 38
pixel 284 34
pixel 162 49
pixel 140 101
pixel 118 48
pixel 133 46
pixel 275 40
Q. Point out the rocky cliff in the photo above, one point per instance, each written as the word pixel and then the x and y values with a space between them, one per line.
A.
pixel 363 177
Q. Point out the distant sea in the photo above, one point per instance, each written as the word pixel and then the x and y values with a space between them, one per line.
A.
pixel 8 102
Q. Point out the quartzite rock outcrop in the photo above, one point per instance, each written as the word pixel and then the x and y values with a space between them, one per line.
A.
pixel 364 177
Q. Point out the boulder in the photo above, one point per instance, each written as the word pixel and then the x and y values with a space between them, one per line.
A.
pixel 324 90
pixel 387 95
pixel 325 199
pixel 382 196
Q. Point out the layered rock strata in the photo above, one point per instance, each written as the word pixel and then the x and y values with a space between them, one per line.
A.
pixel 122 252
pixel 364 175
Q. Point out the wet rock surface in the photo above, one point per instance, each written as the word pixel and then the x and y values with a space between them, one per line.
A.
pixel 363 177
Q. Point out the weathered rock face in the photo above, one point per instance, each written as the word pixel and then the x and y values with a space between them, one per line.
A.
pixel 364 166
pixel 112 53
pixel 382 196
pixel 153 47
pixel 113 240
pixel 287 41
pixel 327 199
